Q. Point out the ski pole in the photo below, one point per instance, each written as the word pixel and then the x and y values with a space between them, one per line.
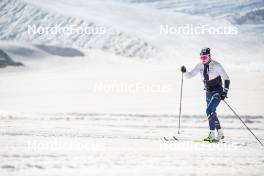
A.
pixel 243 122
pixel 179 127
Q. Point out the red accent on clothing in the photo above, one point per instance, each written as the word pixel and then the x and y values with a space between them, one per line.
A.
pixel 213 115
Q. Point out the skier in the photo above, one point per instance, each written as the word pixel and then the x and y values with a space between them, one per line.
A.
pixel 213 75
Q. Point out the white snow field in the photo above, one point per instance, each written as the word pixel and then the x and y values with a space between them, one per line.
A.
pixel 100 104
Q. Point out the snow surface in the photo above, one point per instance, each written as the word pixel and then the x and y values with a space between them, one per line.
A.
pixel 124 144
pixel 74 109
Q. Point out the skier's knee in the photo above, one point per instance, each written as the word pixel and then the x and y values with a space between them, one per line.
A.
pixel 209 111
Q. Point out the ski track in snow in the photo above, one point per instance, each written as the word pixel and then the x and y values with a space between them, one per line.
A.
pixel 131 144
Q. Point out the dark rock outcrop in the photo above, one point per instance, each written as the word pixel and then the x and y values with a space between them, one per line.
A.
pixel 6 60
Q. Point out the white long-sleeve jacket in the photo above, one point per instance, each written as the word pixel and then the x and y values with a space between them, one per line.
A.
pixel 215 74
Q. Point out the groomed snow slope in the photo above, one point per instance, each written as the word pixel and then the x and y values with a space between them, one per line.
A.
pixel 119 144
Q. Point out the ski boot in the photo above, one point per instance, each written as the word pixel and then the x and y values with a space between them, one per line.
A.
pixel 220 135
pixel 211 137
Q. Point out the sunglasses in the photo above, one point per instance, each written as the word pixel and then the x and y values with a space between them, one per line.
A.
pixel 204 57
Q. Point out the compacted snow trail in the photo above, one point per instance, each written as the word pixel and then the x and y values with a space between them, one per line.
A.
pixel 117 144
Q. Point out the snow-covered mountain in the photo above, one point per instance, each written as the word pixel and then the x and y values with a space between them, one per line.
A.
pixel 17 16
pixel 237 11
pixel 132 29
pixel 248 16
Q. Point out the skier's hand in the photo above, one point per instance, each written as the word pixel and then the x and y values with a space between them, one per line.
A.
pixel 223 95
pixel 183 69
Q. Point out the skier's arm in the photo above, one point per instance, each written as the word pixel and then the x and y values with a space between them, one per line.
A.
pixel 192 73
pixel 221 71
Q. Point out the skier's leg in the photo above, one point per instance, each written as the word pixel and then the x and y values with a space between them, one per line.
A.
pixel 211 135
pixel 211 111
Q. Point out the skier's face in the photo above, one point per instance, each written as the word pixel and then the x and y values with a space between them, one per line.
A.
pixel 205 58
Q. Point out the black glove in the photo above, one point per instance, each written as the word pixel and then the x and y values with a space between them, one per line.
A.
pixel 223 95
pixel 183 69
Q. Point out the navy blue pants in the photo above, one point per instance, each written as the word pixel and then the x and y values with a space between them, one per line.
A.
pixel 213 99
